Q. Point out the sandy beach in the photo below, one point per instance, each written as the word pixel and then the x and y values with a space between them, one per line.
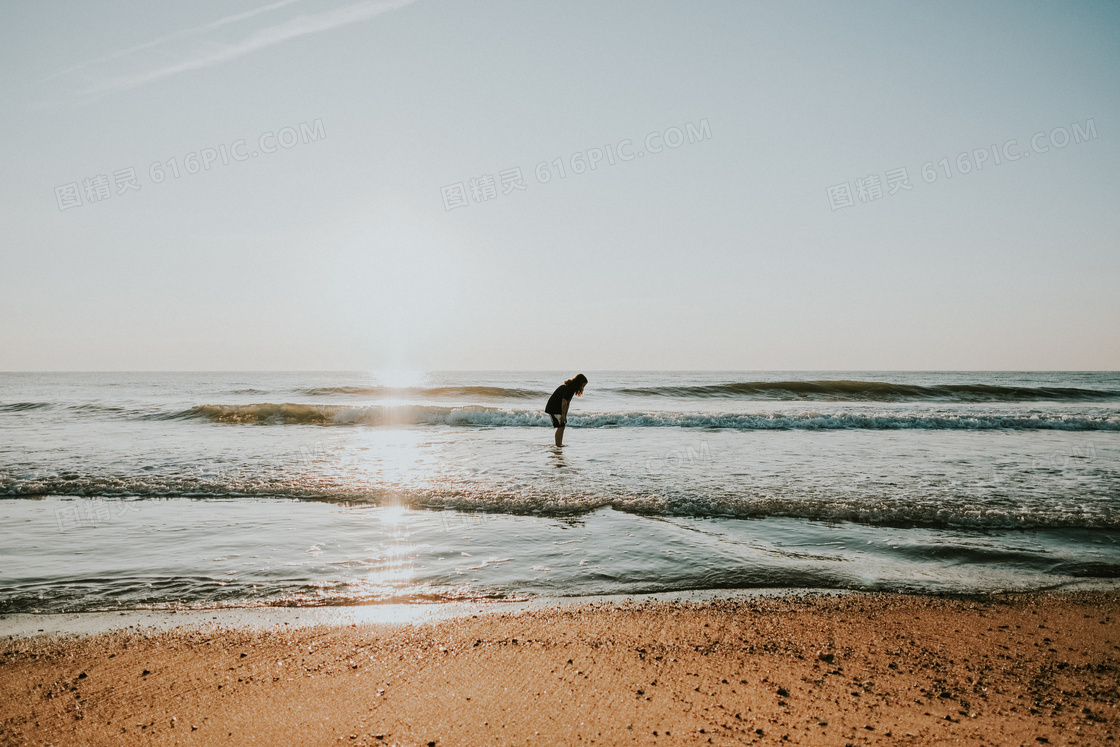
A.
pixel 825 670
pixel 385 372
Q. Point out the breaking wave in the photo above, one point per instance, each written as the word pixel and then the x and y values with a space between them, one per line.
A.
pixel 876 391
pixel 377 415
pixel 120 494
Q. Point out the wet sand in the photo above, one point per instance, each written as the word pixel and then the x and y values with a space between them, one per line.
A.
pixel 857 669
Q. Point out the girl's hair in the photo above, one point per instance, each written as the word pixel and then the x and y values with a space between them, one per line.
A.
pixel 576 383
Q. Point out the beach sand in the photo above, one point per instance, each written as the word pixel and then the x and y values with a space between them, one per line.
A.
pixel 818 670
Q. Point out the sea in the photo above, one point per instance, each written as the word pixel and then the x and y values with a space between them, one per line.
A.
pixel 206 491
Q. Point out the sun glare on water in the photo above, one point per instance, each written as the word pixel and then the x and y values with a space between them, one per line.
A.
pixel 393 515
pixel 400 378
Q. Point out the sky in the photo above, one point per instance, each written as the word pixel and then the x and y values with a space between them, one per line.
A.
pixel 339 185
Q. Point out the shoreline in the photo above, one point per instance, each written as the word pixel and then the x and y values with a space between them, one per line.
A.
pixel 858 668
pixel 30 624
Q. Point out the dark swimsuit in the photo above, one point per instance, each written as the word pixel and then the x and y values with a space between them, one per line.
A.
pixel 555 406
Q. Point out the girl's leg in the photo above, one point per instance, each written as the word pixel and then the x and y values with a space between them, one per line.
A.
pixel 560 436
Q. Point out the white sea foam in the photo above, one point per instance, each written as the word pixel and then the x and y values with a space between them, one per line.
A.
pixel 379 415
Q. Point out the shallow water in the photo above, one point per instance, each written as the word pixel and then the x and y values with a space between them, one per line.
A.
pixel 132 491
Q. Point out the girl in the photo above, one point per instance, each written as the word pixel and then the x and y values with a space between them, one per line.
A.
pixel 557 407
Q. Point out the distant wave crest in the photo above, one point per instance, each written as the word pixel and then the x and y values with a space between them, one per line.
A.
pixel 875 391
pixel 25 406
pixel 483 392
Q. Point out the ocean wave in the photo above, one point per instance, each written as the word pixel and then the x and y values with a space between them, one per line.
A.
pixel 377 415
pixel 25 406
pixel 483 392
pixel 83 409
pixel 950 509
pixel 875 391
pixel 92 408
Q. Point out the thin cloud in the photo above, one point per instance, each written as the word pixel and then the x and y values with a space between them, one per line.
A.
pixel 299 26
pixel 171 37
pixel 247 14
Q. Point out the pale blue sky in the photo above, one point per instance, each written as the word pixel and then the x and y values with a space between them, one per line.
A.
pixel 723 253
